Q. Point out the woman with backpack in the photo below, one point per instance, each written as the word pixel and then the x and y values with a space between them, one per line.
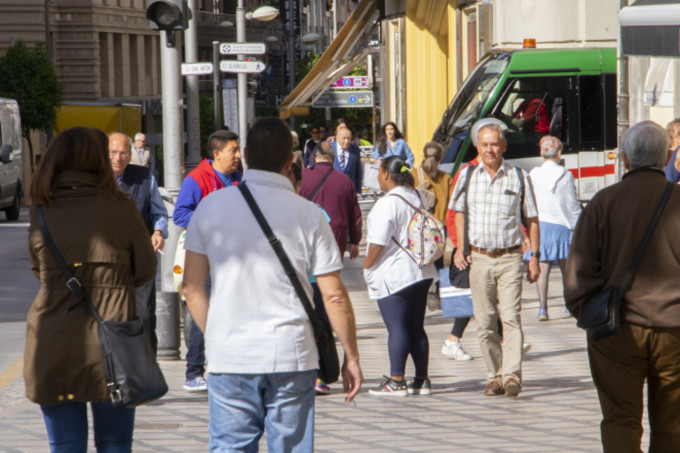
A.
pixel 394 278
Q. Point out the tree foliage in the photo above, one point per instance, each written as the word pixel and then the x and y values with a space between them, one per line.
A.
pixel 28 76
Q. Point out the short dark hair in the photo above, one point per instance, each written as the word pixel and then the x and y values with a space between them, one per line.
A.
pixel 399 171
pixel 269 145
pixel 218 140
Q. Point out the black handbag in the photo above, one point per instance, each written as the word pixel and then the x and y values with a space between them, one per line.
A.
pixel 329 364
pixel 133 376
pixel 600 314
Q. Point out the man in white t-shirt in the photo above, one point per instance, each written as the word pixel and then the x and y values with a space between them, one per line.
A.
pixel 260 346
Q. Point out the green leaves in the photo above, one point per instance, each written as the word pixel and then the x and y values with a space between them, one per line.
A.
pixel 28 76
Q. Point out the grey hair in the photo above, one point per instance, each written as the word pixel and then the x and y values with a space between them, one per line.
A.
pixel 646 145
pixel 490 123
pixel 325 151
pixel 139 135
pixel 129 140
pixel 550 146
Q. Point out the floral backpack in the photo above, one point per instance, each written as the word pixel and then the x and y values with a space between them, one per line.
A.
pixel 426 236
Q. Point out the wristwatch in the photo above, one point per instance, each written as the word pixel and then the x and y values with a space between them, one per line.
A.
pixel 536 254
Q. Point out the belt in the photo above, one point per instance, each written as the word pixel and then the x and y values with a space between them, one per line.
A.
pixel 495 253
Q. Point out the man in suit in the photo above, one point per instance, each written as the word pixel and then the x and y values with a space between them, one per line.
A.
pixel 348 157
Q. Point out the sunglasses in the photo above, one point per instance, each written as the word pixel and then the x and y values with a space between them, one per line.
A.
pixel 315 131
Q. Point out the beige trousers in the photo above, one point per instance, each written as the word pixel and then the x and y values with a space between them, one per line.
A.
pixel 496 285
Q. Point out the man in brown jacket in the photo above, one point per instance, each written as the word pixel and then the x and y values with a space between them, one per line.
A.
pixel 648 345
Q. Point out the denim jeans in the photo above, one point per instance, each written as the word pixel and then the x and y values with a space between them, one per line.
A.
pixel 67 427
pixel 196 351
pixel 243 406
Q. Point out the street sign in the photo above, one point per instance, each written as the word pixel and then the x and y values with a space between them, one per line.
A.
pixel 197 68
pixel 242 66
pixel 345 99
pixel 351 82
pixel 242 48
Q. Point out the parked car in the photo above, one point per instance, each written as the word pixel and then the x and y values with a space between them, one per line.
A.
pixel 11 159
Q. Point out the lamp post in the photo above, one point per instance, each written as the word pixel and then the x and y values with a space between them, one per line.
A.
pixel 263 13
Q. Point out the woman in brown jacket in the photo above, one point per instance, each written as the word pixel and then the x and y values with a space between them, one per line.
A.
pixel 103 239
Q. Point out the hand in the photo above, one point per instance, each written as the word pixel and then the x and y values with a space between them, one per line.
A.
pixel 534 270
pixel 518 122
pixel 353 251
pixel 352 378
pixel 157 241
pixel 525 245
pixel 460 260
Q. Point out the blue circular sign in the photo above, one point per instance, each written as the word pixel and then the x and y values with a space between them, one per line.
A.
pixel 347 82
pixel 352 99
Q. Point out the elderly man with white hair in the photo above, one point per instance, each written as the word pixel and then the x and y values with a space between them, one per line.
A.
pixel 558 211
pixel 647 347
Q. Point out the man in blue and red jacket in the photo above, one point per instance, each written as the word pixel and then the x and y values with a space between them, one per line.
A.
pixel 218 171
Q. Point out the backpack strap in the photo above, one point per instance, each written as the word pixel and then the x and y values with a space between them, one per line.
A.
pixel 522 189
pixel 466 235
pixel 318 187
pixel 420 210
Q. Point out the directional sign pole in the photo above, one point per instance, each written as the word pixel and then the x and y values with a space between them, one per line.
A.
pixel 241 79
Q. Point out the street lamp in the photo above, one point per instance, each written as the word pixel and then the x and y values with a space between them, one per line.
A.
pixel 263 13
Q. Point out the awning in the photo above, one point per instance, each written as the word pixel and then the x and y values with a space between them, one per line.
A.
pixel 651 28
pixel 345 52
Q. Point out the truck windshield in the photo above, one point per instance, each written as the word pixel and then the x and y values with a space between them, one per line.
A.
pixel 467 104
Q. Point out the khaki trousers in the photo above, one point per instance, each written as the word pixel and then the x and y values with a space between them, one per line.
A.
pixel 620 364
pixel 496 285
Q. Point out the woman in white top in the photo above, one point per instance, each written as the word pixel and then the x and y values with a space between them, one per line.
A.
pixel 396 281
pixel 558 211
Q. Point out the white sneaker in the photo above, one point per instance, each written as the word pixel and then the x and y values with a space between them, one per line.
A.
pixel 454 350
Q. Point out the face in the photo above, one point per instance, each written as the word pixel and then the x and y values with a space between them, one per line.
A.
pixel 140 142
pixel 344 138
pixel 315 134
pixel 491 147
pixel 119 153
pixel 227 159
pixel 323 133
pixel 390 132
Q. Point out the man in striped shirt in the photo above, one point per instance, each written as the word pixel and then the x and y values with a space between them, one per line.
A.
pixel 495 199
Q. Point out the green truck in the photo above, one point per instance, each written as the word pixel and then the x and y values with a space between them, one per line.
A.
pixel 568 93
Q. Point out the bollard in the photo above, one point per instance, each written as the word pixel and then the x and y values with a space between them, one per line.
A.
pixel 167 325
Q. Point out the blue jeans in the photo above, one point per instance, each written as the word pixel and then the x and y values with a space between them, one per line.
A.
pixel 67 427
pixel 196 352
pixel 243 406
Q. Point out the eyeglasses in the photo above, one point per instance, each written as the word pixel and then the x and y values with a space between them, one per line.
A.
pixel 322 131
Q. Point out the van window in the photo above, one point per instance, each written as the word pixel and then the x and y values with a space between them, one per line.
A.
pixel 591 109
pixel 533 107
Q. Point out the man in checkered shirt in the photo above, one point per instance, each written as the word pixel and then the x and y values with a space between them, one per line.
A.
pixel 494 198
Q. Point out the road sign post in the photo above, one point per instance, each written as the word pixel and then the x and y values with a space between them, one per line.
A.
pixel 243 48
pixel 200 68
pixel 242 66
pixel 345 99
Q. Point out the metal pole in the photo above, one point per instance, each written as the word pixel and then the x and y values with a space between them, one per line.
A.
pixel 291 53
pixel 217 84
pixel 624 98
pixel 193 122
pixel 241 78
pixel 172 145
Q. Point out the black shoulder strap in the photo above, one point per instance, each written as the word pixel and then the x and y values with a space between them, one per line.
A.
pixel 628 280
pixel 523 194
pixel 466 235
pixel 72 283
pixel 275 242
pixel 318 187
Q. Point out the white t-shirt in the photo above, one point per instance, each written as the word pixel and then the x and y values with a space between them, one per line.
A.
pixel 395 269
pixel 256 322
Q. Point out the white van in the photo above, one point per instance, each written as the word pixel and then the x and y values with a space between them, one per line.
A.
pixel 11 159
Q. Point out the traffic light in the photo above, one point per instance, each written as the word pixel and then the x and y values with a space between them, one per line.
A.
pixel 168 15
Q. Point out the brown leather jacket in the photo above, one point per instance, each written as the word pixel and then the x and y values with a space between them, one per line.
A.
pixel 108 249
pixel 605 239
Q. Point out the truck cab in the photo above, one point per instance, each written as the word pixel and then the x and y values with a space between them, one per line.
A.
pixel 11 159
pixel 567 93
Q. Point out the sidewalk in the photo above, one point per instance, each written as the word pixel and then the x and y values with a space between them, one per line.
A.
pixel 557 411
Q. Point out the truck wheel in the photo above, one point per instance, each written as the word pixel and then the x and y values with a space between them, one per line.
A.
pixel 12 213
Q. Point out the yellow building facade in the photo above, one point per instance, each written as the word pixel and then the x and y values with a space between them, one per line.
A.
pixel 427 54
